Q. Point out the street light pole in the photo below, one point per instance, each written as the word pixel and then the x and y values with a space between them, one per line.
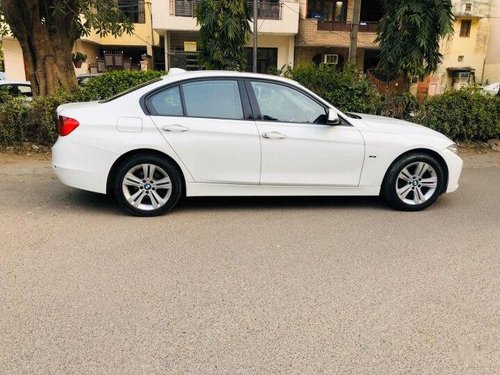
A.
pixel 255 32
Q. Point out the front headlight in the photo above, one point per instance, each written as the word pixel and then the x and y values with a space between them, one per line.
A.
pixel 453 148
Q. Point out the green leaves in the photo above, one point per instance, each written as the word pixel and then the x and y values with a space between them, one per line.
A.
pixel 346 89
pixel 464 115
pixel 224 32
pixel 409 35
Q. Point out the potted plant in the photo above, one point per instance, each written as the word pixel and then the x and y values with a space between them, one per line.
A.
pixel 78 59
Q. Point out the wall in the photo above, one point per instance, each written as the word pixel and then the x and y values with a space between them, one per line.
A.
pixel 492 63
pixel 473 48
pixel 91 50
pixel 13 58
pixel 142 36
pixel 163 20
pixel 285 45
pixel 309 35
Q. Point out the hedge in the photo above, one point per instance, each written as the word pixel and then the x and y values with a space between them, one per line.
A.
pixel 462 115
pixel 35 121
pixel 346 88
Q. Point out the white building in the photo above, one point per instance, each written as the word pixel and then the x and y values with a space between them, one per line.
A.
pixel 278 24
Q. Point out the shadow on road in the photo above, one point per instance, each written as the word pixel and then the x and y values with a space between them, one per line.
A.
pixel 102 203
pixel 292 203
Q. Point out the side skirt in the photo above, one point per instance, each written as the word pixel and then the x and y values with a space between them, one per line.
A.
pixel 227 190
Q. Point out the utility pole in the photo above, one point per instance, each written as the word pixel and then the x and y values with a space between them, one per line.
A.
pixel 255 32
pixel 353 46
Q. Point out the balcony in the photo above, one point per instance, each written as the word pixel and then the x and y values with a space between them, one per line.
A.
pixel 364 27
pixel 280 17
pixel 266 9
pixel 314 33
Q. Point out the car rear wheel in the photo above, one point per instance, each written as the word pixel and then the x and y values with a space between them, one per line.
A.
pixel 414 182
pixel 147 185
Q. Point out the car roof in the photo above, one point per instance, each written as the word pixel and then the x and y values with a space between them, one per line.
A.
pixel 181 75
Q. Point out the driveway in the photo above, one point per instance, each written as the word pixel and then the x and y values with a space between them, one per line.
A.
pixel 248 285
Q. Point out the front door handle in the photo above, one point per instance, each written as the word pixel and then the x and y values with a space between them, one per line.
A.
pixel 175 128
pixel 274 135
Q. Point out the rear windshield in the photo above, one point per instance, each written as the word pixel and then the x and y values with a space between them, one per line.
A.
pixel 119 95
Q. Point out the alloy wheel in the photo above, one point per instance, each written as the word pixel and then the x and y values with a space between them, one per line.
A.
pixel 147 187
pixel 416 183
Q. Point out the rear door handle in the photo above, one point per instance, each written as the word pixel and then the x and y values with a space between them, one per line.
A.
pixel 274 135
pixel 175 128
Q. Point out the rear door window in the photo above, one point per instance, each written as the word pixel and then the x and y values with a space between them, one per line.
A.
pixel 213 99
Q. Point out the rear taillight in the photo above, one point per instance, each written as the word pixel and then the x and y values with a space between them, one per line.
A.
pixel 66 125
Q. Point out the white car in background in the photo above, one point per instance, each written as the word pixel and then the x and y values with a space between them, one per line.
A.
pixel 241 134
pixel 492 89
pixel 17 88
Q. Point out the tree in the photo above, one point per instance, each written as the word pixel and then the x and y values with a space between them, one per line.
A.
pixel 48 29
pixel 224 32
pixel 409 34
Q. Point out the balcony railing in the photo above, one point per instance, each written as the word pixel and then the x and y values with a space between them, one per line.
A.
pixel 266 9
pixel 367 27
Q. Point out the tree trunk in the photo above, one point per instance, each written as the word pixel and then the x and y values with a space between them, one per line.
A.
pixel 46 41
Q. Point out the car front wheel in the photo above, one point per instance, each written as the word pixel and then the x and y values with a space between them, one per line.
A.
pixel 147 185
pixel 414 182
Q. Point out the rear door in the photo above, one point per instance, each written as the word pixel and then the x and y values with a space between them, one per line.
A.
pixel 209 125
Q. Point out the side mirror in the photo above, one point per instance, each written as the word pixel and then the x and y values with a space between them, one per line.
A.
pixel 333 117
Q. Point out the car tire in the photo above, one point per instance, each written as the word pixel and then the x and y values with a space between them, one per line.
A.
pixel 147 185
pixel 413 182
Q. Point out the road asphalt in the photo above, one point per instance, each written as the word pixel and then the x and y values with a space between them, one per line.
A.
pixel 248 285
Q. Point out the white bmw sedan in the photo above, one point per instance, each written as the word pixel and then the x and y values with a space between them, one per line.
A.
pixel 241 134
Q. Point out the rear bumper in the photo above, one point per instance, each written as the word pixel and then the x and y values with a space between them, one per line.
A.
pixel 455 165
pixel 81 166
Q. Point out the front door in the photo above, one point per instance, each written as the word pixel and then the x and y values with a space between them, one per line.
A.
pixel 298 147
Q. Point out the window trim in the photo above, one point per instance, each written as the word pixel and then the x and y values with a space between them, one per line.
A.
pixel 245 103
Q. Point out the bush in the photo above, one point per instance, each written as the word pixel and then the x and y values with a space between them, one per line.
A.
pixel 112 83
pixel 465 115
pixel 35 121
pixel 346 89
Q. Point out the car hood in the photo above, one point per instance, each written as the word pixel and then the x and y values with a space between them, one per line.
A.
pixel 391 125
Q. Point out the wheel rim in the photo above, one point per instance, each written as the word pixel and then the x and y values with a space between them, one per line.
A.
pixel 147 187
pixel 416 183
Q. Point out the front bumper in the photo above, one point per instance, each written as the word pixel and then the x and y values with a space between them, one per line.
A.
pixel 455 165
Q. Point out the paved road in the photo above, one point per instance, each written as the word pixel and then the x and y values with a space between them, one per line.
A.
pixel 246 286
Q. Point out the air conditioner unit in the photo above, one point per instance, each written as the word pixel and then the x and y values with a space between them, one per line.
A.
pixel 463 75
pixel 330 59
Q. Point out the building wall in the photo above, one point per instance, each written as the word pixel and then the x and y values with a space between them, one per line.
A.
pixel 285 45
pixel 13 59
pixel 310 41
pixel 142 36
pixel 164 19
pixel 309 35
pixel 492 62
pixel 92 52
pixel 461 52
